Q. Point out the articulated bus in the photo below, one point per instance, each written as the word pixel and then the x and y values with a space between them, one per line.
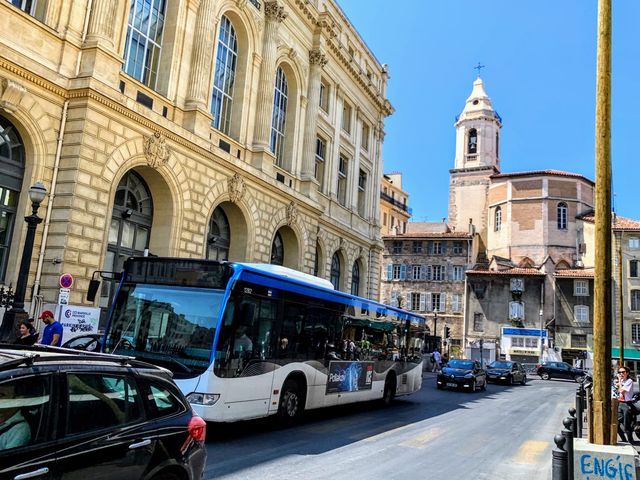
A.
pixel 250 340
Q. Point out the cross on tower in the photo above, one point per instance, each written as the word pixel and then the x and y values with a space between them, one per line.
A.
pixel 478 67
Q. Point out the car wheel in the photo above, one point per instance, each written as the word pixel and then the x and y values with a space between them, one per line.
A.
pixel 473 385
pixel 389 390
pixel 579 378
pixel 524 380
pixel 291 403
pixel 510 379
pixel 545 376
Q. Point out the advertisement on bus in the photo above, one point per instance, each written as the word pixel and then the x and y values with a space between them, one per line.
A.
pixel 349 376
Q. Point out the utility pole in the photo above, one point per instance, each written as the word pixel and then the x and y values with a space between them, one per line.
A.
pixel 602 281
pixel 621 317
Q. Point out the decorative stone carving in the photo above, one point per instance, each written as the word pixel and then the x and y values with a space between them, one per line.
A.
pixel 274 11
pixel 292 213
pixel 316 57
pixel 156 150
pixel 241 3
pixel 237 188
pixel 291 53
pixel 11 94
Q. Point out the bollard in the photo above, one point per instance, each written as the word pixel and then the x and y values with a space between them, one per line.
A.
pixel 574 422
pixel 580 401
pixel 559 460
pixel 568 436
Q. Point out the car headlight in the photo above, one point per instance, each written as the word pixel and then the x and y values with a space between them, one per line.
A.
pixel 206 399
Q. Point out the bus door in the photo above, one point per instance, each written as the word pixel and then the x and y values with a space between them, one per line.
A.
pixel 247 356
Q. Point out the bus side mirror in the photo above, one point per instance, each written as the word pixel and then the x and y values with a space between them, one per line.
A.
pixel 94 285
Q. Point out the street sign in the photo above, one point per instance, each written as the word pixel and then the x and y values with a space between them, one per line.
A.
pixel 66 280
pixel 63 296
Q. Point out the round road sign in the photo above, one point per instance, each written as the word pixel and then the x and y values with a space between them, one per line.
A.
pixel 66 280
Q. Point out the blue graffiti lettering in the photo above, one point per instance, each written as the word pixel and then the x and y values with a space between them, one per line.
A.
pixel 585 465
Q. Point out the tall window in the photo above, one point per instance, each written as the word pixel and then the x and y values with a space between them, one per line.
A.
pixel 277 250
pixel 355 279
pixel 498 219
pixel 316 263
pixel 472 142
pixel 478 322
pixel 436 248
pixel 635 333
pixel 11 174
pixel 321 153
pixel 397 247
pixel 362 192
pixel 415 301
pixel 635 300
pixel 365 137
pixel 346 117
pixel 416 246
pixel 438 302
pixel 343 171
pixel 335 271
pixel 633 268
pixel 324 96
pixel 516 311
pixel 581 288
pixel 144 40
pixel 457 248
pixel 279 117
pixel 416 272
pixel 456 303
pixel 581 313
pixel 437 272
pixel 224 76
pixel 219 237
pixel 562 216
pixel 458 273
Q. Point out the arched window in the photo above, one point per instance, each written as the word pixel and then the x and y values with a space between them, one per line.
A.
pixel 355 279
pixel 279 117
pixel 277 250
pixel 219 237
pixel 316 263
pixel 498 219
pixel 224 76
pixel 562 216
pixel 144 40
pixel 472 142
pixel 11 174
pixel 335 271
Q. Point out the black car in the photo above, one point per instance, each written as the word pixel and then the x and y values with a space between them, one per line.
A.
pixel 547 370
pixel 506 372
pixel 91 342
pixel 71 415
pixel 466 374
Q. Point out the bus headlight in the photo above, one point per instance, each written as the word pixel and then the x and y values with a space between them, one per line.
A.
pixel 206 399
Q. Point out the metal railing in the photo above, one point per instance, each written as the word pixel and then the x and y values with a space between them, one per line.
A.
pixel 393 201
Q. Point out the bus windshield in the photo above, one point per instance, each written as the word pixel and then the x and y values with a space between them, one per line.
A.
pixel 170 326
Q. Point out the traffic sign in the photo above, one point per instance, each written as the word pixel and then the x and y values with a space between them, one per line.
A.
pixel 66 280
pixel 63 296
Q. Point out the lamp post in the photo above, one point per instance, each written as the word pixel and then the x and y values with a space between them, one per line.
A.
pixel 541 333
pixel 37 193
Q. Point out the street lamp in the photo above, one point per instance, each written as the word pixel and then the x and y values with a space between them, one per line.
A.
pixel 37 193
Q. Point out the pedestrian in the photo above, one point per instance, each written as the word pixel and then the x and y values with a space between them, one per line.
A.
pixel 624 385
pixel 25 336
pixel 437 360
pixel 52 334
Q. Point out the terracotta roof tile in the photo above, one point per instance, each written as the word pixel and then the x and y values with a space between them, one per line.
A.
pixel 575 273
pixel 557 173
pixel 531 272
pixel 620 223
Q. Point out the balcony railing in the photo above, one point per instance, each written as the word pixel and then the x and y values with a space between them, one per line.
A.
pixel 396 203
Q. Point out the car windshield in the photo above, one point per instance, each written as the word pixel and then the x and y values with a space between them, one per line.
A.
pixel 463 364
pixel 170 326
pixel 500 365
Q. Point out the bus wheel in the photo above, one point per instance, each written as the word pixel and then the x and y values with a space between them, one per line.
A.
pixel 291 403
pixel 389 390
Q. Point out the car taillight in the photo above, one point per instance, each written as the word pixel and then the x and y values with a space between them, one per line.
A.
pixel 197 428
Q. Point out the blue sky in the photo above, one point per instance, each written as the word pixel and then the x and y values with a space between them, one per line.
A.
pixel 540 71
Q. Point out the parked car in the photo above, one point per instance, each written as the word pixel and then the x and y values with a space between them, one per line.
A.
pixel 466 374
pixel 87 415
pixel 547 370
pixel 507 372
pixel 91 342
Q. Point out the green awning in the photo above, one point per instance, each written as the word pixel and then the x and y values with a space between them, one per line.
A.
pixel 629 353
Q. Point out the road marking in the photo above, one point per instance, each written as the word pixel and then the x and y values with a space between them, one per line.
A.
pixel 422 440
pixel 529 452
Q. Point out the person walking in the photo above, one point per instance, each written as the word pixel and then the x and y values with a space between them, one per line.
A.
pixel 25 337
pixel 624 385
pixel 437 366
pixel 52 334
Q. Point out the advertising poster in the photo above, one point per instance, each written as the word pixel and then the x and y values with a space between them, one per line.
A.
pixel 75 319
pixel 349 376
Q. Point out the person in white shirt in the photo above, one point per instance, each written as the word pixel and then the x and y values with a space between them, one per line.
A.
pixel 14 429
pixel 438 360
pixel 624 384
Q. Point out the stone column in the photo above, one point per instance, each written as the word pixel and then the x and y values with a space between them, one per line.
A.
pixel 101 22
pixel 274 15
pixel 317 61
pixel 202 56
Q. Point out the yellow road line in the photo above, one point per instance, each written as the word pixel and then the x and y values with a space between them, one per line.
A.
pixel 422 440
pixel 529 452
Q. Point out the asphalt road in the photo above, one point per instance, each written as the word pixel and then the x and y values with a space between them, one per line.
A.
pixel 505 432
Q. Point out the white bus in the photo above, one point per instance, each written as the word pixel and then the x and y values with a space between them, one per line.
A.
pixel 251 340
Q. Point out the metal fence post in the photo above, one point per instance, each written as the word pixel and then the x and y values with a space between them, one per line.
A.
pixel 580 404
pixel 559 459
pixel 574 422
pixel 568 436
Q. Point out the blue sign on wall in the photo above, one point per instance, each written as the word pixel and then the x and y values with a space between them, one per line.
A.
pixel 523 332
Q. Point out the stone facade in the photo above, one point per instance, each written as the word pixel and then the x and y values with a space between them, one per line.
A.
pixel 88 127
pixel 394 212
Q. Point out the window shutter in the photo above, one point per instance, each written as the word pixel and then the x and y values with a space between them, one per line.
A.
pixel 403 272
pixel 443 247
pixel 423 304
pixel 423 272
pixel 449 273
pixel 430 247
pixel 428 302
pixel 429 272
pixel 443 302
pixel 390 271
pixel 394 298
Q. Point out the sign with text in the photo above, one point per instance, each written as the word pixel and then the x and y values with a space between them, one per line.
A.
pixel 593 462
pixel 349 376
pixel 63 296
pixel 76 320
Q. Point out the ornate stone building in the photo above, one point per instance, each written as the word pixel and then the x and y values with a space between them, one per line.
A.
pixel 227 129
pixel 394 211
